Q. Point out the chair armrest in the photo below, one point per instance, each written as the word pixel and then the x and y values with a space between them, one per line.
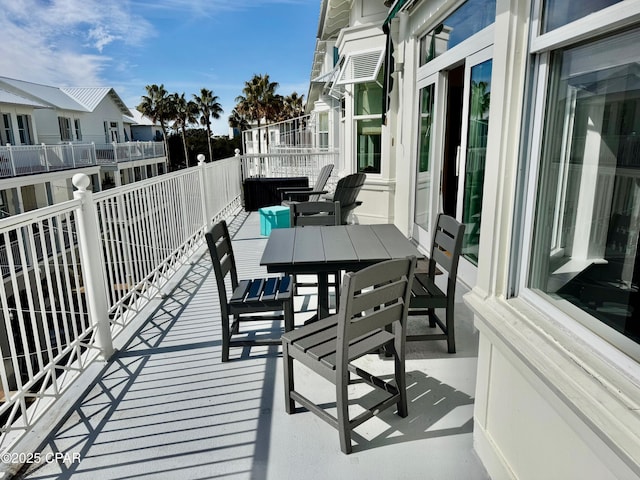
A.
pixel 286 195
pixel 293 189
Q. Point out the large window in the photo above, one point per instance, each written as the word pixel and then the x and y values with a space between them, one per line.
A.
pixel 586 235
pixel 368 111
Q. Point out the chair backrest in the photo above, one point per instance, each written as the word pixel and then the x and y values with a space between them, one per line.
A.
pixel 224 263
pixel 314 213
pixel 374 298
pixel 446 248
pixel 347 191
pixel 321 181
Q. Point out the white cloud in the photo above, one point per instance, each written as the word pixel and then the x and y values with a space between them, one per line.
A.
pixel 61 42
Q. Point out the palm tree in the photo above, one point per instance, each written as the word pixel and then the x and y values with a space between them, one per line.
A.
pixel 259 101
pixel 293 106
pixel 238 120
pixel 157 105
pixel 208 107
pixel 293 109
pixel 186 114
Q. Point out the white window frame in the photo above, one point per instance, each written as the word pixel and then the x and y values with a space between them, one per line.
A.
pixel 608 341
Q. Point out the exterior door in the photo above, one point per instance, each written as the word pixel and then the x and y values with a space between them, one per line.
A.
pixel 453 118
pixel 427 171
pixel 471 157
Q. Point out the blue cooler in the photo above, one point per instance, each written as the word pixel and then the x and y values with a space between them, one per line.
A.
pixel 273 217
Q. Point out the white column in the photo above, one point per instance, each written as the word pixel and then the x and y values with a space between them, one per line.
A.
pixel 94 281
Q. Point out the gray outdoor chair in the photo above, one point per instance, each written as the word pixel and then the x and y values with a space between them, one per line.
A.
pixel 372 300
pixel 314 213
pixel 426 295
pixel 346 192
pixel 257 295
pixel 307 194
pixel 320 213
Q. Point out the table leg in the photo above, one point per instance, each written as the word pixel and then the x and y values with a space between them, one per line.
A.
pixel 323 295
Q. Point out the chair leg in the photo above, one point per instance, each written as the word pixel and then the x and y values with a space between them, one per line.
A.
pixel 430 313
pixel 401 381
pixel 226 335
pixel 451 337
pixel 288 379
pixel 342 404
pixel 235 326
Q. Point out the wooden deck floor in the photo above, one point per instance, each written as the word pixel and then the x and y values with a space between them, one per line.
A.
pixel 165 406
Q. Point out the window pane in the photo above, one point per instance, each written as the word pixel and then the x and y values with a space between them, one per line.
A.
pixel 368 99
pixel 423 177
pixel 480 97
pixel 7 131
pixel 560 12
pixel 471 17
pixel 24 131
pixel 588 213
pixel 368 145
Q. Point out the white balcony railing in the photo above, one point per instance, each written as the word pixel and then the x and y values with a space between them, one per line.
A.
pixel 28 159
pixel 288 164
pixel 78 272
pixel 75 274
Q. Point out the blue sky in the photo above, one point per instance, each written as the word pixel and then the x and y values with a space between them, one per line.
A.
pixel 183 44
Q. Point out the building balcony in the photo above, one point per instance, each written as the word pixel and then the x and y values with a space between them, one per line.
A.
pixel 129 383
pixel 29 159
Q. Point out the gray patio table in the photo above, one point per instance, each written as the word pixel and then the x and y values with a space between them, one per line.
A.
pixel 323 250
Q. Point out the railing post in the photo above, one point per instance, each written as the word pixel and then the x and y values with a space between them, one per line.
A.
pixel 13 164
pixel 46 156
pixel 129 145
pixel 115 152
pixel 243 172
pixel 94 281
pixel 93 151
pixel 206 206
pixel 73 154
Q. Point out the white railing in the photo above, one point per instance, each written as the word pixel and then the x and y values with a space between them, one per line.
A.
pixel 78 272
pixel 28 159
pixel 111 153
pixel 300 132
pixel 306 163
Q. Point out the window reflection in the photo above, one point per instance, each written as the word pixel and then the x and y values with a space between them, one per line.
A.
pixel 471 17
pixel 423 177
pixel 588 215
pixel 560 12
pixel 480 97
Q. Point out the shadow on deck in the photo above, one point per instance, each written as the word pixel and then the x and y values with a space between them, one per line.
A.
pixel 166 407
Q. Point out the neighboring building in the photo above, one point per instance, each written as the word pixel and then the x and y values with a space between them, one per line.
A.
pixel 48 134
pixel 521 119
pixel 143 129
